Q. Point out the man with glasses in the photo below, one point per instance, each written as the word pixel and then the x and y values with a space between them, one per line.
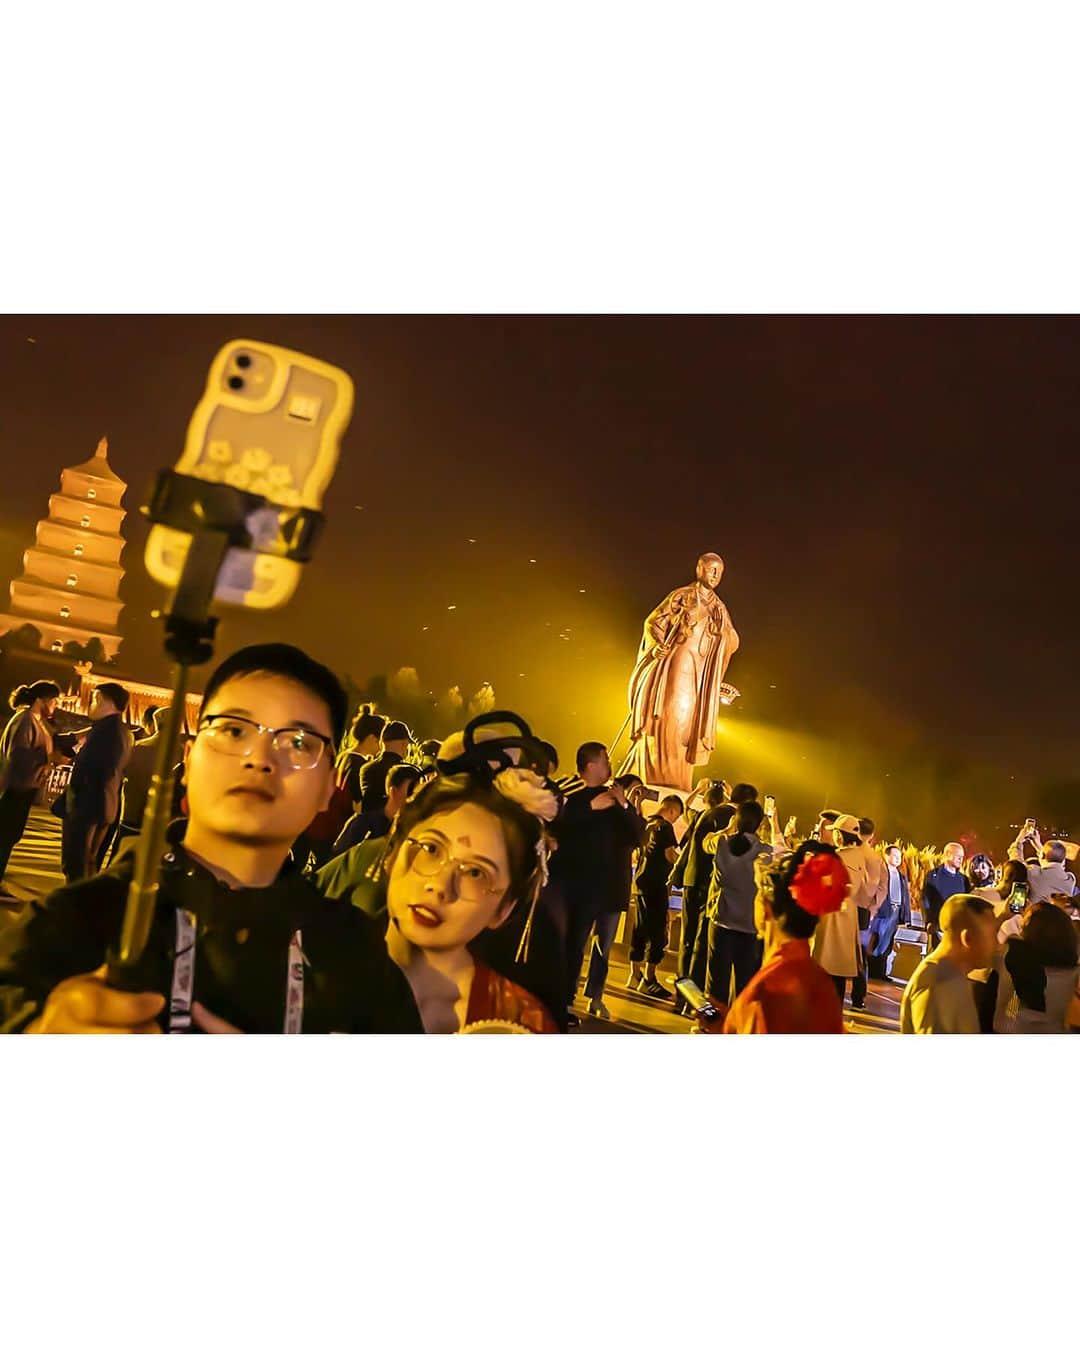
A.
pixel 240 941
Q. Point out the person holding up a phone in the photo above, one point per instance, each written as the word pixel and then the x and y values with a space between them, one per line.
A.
pixel 1010 897
pixel 1046 875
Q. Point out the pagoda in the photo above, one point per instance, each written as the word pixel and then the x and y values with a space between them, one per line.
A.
pixel 71 576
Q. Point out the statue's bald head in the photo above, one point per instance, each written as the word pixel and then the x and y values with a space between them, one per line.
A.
pixel 710 569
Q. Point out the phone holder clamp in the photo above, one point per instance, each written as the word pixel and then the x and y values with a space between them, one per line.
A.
pixel 219 518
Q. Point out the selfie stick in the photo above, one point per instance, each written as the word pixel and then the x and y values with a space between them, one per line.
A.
pixel 218 518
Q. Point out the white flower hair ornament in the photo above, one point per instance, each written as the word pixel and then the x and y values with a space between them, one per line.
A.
pixel 528 790
pixel 505 760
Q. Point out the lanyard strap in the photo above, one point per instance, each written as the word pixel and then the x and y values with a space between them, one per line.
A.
pixel 183 978
pixel 294 986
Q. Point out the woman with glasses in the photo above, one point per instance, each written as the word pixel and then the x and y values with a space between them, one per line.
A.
pixel 467 858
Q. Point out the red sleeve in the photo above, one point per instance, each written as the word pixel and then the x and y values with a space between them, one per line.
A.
pixel 494 996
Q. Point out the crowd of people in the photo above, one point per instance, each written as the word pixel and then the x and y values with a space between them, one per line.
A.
pixel 328 875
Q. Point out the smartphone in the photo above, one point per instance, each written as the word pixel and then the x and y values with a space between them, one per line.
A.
pixel 270 421
pixel 1018 898
pixel 770 804
pixel 1029 824
pixel 698 1001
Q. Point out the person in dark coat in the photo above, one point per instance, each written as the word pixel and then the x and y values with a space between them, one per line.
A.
pixel 597 832
pixel 944 881
pixel 694 868
pixel 239 941
pixel 894 911
pixel 92 803
pixel 401 781
pixel 26 749
pixel 396 740
pixel 361 747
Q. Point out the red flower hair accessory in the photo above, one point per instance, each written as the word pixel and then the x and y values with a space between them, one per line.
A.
pixel 820 884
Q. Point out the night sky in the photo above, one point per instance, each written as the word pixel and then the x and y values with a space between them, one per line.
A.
pixel 891 496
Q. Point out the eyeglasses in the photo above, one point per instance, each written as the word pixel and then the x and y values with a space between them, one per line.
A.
pixel 472 882
pixel 235 736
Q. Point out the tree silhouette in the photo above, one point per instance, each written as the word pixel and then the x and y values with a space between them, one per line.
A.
pixel 25 637
pixel 401 696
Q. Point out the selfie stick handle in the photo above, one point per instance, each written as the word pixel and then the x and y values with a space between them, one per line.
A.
pixel 217 517
pixel 189 638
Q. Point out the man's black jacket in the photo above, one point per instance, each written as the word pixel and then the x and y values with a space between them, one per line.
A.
pixel 98 771
pixel 241 959
pixel 592 862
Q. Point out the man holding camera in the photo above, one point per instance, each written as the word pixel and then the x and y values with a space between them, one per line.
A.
pixel 597 833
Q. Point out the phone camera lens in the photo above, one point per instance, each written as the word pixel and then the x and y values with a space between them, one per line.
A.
pixel 236 382
pixel 243 362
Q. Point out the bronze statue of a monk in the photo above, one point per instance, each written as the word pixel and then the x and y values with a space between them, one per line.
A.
pixel 678 681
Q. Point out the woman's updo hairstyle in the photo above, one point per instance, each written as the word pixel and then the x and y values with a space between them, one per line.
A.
pixel 35 691
pixel 366 723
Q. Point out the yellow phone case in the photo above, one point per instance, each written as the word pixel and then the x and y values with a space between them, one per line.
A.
pixel 270 421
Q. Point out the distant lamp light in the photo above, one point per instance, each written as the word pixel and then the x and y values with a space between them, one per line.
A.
pixel 728 693
pixel 71 581
pixel 65 611
pixel 84 522
pixel 56 646
pixel 78 549
pixel 91 494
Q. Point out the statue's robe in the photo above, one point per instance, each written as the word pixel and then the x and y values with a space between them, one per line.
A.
pixel 675 688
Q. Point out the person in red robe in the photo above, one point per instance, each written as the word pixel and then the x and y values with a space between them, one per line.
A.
pixel 791 993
